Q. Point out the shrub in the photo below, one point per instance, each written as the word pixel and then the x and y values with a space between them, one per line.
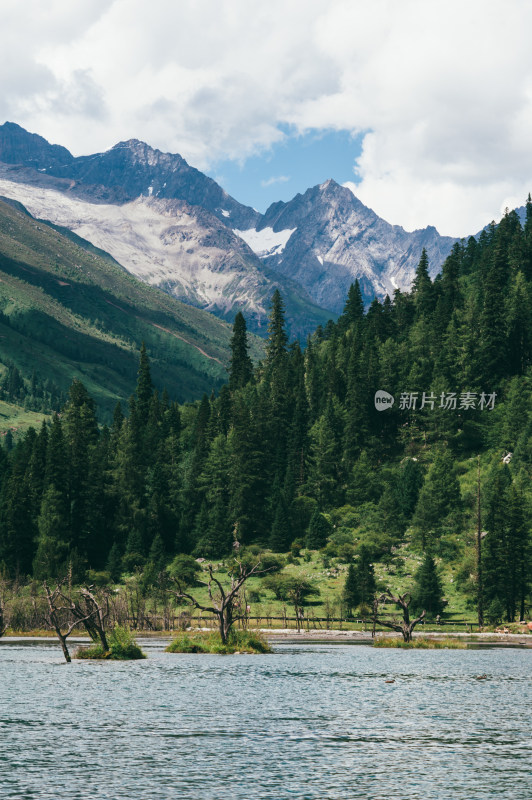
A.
pixel 122 647
pixel 184 569
pixel 420 644
pixel 98 577
pixel 268 561
pixel 296 547
pixel 210 642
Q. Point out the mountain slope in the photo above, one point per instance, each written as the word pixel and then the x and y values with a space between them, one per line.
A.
pixel 326 238
pixel 163 220
pixel 70 312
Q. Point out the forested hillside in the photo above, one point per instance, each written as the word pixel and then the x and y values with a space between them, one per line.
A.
pixel 69 310
pixel 296 449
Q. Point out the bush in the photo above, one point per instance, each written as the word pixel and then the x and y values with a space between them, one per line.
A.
pixel 98 577
pixel 346 553
pixel 296 547
pixel 184 569
pixel 268 561
pixel 290 588
pixel 122 647
pixel 211 642
pixel 421 644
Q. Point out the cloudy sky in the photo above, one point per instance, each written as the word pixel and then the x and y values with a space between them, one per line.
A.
pixel 426 107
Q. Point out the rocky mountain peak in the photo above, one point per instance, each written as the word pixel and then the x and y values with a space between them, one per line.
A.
pixel 138 152
pixel 18 146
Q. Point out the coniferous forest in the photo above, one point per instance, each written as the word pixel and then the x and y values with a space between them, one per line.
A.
pixel 295 453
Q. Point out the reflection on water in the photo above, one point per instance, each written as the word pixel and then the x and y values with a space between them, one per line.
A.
pixel 311 722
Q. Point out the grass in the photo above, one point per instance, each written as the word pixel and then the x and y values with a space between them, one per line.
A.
pixel 420 643
pixel 330 582
pixel 122 647
pixel 211 642
pixel 18 420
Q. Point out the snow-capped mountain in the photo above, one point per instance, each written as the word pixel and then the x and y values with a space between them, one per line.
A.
pixel 163 221
pixel 173 227
pixel 326 238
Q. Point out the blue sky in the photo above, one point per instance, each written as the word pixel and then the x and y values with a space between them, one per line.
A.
pixel 289 167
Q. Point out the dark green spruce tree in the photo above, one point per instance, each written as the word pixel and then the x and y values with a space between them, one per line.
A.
pixel 240 365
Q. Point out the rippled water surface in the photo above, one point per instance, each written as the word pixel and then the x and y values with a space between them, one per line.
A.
pixel 311 721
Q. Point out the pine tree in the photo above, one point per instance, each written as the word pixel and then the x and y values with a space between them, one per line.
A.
pixel 365 576
pixel 409 485
pixel 281 532
pixel 241 367
pixel 157 554
pixel 493 355
pixel 351 593
pixel 439 499
pixel 18 529
pixel 200 535
pixel 495 545
pixel 427 594
pixel 277 338
pixel 114 562
pixel 52 544
pixel 80 430
pixel 519 325
pixel 353 314
pixel 318 531
pixel 422 288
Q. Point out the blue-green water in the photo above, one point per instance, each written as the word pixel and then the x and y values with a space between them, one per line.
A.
pixel 310 721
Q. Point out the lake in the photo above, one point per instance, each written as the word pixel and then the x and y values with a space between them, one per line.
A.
pixel 311 722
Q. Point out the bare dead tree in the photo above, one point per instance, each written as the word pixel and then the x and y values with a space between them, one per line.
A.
pixel 92 612
pixel 404 626
pixel 54 617
pixel 226 604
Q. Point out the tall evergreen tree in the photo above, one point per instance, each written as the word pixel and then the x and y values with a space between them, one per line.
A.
pixel 241 367
pixel 353 315
pixel 439 499
pixel 427 594
pixel 318 531
pixel 422 288
pixel 365 576
pixel 350 593
pixel 277 337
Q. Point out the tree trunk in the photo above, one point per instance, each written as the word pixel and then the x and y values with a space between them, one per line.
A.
pixel 223 628
pixel 64 647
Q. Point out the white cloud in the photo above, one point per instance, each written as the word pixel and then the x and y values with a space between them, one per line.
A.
pixel 443 89
pixel 275 179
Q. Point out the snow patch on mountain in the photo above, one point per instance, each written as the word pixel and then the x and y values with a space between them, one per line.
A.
pixel 266 242
pixel 167 243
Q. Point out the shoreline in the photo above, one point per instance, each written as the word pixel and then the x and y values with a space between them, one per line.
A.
pixel 315 636
pixel 364 637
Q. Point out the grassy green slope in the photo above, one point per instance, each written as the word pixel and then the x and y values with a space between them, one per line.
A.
pixel 73 312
